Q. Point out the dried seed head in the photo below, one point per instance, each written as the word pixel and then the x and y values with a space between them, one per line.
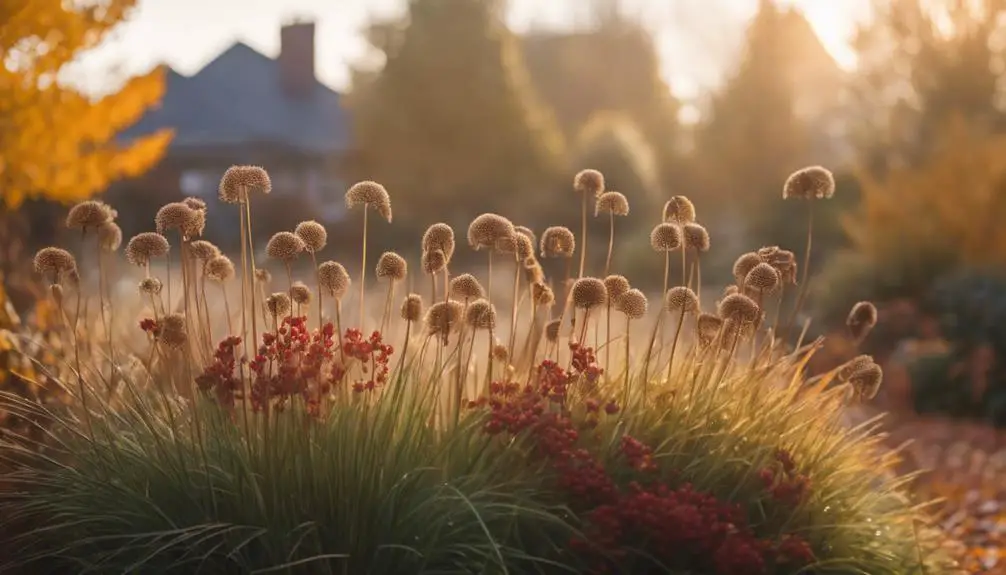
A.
pixel 278 304
pixel 150 286
pixel 863 375
pixel 313 235
pixel 332 278
pixel 481 315
pixel 733 332
pixel 392 266
pixel 501 353
pixel 284 246
pixel 175 216
pixel 263 276
pixel 810 183
pixel 195 203
pixel 196 225
pixel 88 215
pixel 614 203
pixel 439 237
pixel 219 269
pixel 743 266
pixel 172 330
pixel 54 264
pixel 679 210
pixel 730 290
pixel 488 230
pixel 762 279
pixel 696 237
pixel 739 307
pixel 557 242
pixel 466 287
pixel 433 262
pixel 681 299
pixel 523 246
pixel 372 195
pixel 862 318
pixel 708 326
pixel 203 250
pixel 300 293
pixel 552 331
pixel 616 286
pixel 784 262
pixel 589 182
pixel 109 236
pixel 144 246
pixel 239 181
pixel 523 230
pixel 542 295
pixel 589 293
pixel 73 278
pixel 412 307
pixel 533 273
pixel 442 317
pixel 665 237
pixel 632 303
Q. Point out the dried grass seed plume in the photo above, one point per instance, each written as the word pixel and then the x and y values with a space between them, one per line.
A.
pixel 762 279
pixel 391 266
pixel 370 194
pixel 481 315
pixel 203 250
pixel 695 237
pixel 589 182
pixel 665 237
pixel 412 307
pixel 679 210
pixel 862 319
pixel 172 331
pixel 542 294
pixel 109 236
pixel 54 264
pixel 278 304
pixel 466 287
pixel 488 230
pixel 433 262
pixel 300 293
pixel 740 308
pixel 616 286
pixel 614 203
pixel 333 278
pixel 589 293
pixel 632 303
pixel 219 269
pixel 145 246
pixel 238 181
pixel 284 246
pixel 88 215
pixel 175 216
pixel 814 182
pixel 313 234
pixel 439 236
pixel 681 298
pixel 557 242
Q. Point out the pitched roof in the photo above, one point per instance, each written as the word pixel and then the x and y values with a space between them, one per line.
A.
pixel 238 99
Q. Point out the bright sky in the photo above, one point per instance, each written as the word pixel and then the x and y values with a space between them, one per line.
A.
pixel 695 37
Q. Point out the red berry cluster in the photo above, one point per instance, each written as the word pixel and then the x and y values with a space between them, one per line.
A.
pixel 219 376
pixel 585 363
pixel 289 362
pixel 680 527
pixel 373 356
pixel 150 326
pixel 783 482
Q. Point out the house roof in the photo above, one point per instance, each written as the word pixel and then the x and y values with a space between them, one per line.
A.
pixel 238 99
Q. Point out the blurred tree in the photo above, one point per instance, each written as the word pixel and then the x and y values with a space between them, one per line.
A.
pixel 55 142
pixel 451 116
pixel 921 61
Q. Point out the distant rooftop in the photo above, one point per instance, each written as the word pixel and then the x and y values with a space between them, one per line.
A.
pixel 243 97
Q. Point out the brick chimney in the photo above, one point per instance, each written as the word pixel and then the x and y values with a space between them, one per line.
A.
pixel 296 59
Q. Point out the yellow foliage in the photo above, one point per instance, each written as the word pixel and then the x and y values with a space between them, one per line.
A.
pixel 56 142
pixel 954 202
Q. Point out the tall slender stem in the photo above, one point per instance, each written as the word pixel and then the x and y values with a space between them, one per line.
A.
pixel 583 237
pixel 513 310
pixel 251 262
pixel 625 401
pixel 363 268
pixel 674 344
pixel 803 276
pixel 611 242
pixel 317 283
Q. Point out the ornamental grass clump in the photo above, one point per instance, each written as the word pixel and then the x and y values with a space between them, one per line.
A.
pixel 324 448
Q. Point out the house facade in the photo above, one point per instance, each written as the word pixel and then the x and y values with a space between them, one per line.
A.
pixel 246 108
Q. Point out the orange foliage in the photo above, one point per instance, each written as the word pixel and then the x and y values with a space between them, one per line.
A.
pixel 56 142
